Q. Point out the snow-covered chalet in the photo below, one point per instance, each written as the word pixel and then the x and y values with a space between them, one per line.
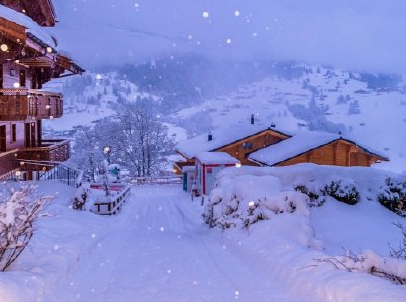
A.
pixel 29 58
pixel 257 145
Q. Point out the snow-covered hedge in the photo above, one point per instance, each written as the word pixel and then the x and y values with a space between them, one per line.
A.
pixel 246 195
pixel 248 199
pixel 81 197
pixel 342 190
pixel 393 195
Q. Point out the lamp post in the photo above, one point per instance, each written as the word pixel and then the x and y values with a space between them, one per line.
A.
pixel 107 151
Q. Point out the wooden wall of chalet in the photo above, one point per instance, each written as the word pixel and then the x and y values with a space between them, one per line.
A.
pixel 258 141
pixel 19 142
pixel 339 153
pixel 35 134
pixel 9 79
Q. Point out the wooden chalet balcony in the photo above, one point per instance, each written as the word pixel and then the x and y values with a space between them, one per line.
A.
pixel 50 150
pixel 7 162
pixel 22 104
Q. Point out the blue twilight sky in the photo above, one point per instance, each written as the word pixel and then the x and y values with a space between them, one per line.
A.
pixel 354 34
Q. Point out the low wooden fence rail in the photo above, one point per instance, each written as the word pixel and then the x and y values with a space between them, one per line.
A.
pixel 160 180
pixel 114 205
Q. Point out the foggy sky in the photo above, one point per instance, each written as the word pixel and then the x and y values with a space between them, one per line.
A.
pixel 356 34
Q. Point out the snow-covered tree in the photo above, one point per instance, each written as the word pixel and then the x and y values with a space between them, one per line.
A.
pixel 143 138
pixel 138 139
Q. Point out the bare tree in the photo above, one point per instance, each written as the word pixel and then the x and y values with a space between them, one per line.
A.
pixel 19 212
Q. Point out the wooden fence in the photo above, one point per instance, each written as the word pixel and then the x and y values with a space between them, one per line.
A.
pixel 160 180
pixel 114 205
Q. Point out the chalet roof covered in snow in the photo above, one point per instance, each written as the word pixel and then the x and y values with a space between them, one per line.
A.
pixel 220 137
pixel 216 158
pixel 301 143
pixel 25 21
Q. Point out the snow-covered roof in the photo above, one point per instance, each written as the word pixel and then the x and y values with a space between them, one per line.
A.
pixel 216 158
pixel 220 137
pixel 188 168
pixel 302 142
pixel 30 25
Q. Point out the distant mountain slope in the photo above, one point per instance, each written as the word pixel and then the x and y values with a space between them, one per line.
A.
pixel 369 108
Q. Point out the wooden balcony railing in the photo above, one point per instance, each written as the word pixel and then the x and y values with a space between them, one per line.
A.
pixel 22 104
pixel 50 150
pixel 8 164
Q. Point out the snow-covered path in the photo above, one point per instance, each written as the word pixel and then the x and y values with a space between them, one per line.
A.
pixel 158 250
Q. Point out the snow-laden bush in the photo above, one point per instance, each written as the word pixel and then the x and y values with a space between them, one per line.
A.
pixel 369 262
pixel 393 195
pixel 342 190
pixel 81 197
pixel 315 196
pixel 19 212
pixel 247 199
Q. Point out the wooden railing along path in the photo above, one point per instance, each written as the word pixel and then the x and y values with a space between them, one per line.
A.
pixel 114 205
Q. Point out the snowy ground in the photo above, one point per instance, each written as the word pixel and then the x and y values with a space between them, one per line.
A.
pixel 157 249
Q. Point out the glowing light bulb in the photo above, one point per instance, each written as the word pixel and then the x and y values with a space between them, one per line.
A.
pixel 4 47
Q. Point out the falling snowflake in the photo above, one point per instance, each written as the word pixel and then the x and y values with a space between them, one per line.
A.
pixel 237 13
pixel 228 41
pixel 205 14
pixel 99 76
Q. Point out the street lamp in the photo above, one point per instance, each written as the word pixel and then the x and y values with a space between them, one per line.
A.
pixel 107 151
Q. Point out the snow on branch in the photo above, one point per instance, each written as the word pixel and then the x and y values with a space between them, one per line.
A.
pixel 19 212
pixel 369 262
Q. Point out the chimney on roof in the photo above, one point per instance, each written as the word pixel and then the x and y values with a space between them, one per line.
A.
pixel 210 137
pixel 252 119
pixel 273 125
pixel 340 134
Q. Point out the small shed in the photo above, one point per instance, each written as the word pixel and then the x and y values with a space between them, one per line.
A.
pixel 189 176
pixel 208 165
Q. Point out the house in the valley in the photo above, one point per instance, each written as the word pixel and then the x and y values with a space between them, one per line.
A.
pixel 318 148
pixel 237 140
pixel 29 57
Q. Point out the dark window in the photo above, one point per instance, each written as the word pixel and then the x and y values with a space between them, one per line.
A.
pixel 247 145
pixel 22 78
pixel 13 132
pixel 18 105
